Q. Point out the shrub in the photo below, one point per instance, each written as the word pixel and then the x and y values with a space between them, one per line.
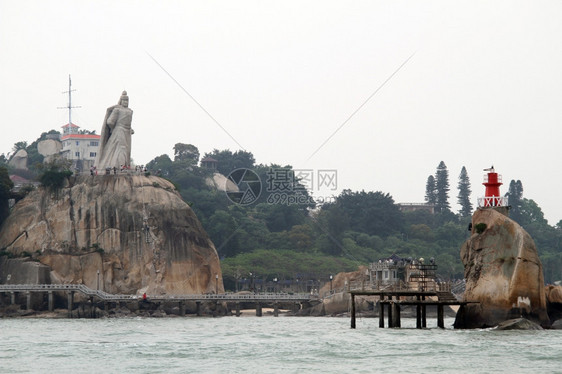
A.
pixel 480 227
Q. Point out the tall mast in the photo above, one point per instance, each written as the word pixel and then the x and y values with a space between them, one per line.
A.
pixel 69 106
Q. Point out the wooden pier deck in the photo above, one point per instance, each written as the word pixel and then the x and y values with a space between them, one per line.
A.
pixel 393 301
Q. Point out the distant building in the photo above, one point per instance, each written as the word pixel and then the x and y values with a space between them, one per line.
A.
pixel 209 163
pixel 406 273
pixel 20 182
pixel 412 207
pixel 82 149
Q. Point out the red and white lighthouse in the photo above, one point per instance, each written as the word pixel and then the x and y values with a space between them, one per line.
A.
pixel 492 181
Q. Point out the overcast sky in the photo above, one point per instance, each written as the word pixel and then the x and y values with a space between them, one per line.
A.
pixel 471 83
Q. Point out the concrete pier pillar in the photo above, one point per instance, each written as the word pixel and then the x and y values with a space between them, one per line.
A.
pixel 381 314
pixel 198 308
pixel 182 308
pixel 51 301
pixel 395 315
pixel 217 308
pixel 352 311
pixel 237 309
pixel 70 302
pixel 418 314
pixel 258 310
pixel 12 298
pixel 440 315
pixel 28 299
pixel 424 320
pixel 390 313
pixel 106 306
pixel 275 309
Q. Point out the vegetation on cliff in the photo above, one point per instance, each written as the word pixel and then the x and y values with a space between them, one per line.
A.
pixel 284 237
pixel 5 186
pixel 356 228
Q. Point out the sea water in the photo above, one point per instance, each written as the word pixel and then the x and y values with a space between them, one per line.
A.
pixel 268 345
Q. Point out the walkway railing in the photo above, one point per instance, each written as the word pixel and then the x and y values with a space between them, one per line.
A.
pixel 491 201
pixel 113 297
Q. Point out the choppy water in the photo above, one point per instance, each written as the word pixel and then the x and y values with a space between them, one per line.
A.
pixel 267 345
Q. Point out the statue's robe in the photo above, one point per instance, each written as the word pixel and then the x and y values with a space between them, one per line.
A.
pixel 115 142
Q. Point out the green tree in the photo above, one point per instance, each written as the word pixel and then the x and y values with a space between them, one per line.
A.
pixel 19 145
pixel 430 191
pixel 162 163
pixel 3 160
pixel 530 213
pixel 281 185
pixel 228 161
pixel 373 213
pixel 464 194
pixel 421 231
pixel 331 223
pixel 6 186
pixel 515 197
pixel 222 229
pixel 442 188
pixel 302 237
pixel 280 217
pixel 186 152
pixel 54 173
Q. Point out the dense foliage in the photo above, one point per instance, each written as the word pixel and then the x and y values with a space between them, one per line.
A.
pixel 442 188
pixel 282 233
pixel 464 194
pixel 282 237
pixel 5 186
pixel 54 174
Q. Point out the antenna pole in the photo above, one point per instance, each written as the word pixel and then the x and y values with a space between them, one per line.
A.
pixel 69 106
pixel 69 100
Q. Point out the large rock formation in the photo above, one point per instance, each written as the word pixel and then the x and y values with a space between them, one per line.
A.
pixel 554 302
pixel 518 324
pixel 335 295
pixel 503 273
pixel 49 148
pixel 135 230
pixel 19 160
pixel 221 183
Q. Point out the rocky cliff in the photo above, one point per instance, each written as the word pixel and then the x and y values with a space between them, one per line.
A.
pixel 554 302
pixel 503 273
pixel 135 230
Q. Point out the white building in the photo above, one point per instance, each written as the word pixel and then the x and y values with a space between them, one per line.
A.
pixel 82 149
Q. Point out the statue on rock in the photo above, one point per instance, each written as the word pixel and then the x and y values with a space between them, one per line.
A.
pixel 115 147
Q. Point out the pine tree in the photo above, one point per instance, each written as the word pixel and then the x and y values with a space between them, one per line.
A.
pixel 464 194
pixel 430 196
pixel 515 197
pixel 442 188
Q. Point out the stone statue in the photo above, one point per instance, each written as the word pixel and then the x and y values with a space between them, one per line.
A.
pixel 115 146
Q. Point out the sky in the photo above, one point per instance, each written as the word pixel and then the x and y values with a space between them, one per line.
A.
pixel 379 91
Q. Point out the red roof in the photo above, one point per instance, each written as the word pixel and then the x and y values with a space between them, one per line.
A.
pixel 208 159
pixel 71 125
pixel 18 179
pixel 81 136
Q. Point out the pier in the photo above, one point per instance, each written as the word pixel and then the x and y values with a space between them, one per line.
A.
pixel 392 300
pixel 258 300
